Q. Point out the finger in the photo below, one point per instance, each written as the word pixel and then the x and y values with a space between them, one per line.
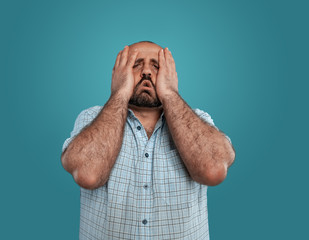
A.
pixel 124 56
pixel 132 58
pixel 167 60
pixel 168 55
pixel 161 58
pixel 170 60
pixel 117 60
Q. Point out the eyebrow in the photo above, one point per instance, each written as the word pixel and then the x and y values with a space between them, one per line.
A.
pixel 154 61
pixel 151 60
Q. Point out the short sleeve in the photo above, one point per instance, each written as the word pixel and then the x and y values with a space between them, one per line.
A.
pixel 207 118
pixel 82 120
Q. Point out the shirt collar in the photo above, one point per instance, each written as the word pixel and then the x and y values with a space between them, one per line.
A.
pixel 132 116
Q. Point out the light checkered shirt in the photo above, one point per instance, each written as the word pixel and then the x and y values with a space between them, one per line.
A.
pixel 149 194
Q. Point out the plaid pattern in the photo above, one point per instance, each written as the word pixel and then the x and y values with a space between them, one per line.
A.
pixel 149 194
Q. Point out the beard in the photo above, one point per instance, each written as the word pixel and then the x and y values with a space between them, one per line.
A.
pixel 145 98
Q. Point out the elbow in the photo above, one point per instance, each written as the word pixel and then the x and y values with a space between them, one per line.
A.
pixel 212 176
pixel 65 162
pixel 86 180
pixel 83 177
pixel 215 172
pixel 230 152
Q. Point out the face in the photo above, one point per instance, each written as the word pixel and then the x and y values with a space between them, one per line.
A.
pixel 145 70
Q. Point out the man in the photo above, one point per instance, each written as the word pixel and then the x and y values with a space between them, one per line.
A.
pixel 145 159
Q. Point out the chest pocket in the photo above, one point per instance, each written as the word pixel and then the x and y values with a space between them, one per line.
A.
pixel 171 180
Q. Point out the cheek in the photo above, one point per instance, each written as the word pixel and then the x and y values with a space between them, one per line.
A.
pixel 154 79
pixel 137 78
pixel 155 70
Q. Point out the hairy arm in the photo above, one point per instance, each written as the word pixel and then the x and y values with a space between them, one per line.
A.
pixel 93 152
pixel 205 151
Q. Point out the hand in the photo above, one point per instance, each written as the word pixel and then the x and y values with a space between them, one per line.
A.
pixel 122 76
pixel 167 80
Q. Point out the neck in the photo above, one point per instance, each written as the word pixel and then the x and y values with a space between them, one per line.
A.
pixel 147 116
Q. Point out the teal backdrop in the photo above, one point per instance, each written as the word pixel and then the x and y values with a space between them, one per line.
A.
pixel 244 62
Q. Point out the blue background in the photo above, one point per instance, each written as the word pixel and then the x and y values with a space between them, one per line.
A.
pixel 244 62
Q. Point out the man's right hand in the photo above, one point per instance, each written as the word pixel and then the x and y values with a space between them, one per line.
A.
pixel 122 77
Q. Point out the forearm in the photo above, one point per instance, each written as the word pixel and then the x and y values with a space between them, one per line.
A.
pixel 92 154
pixel 204 150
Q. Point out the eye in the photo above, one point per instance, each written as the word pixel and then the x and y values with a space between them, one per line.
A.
pixel 156 66
pixel 136 65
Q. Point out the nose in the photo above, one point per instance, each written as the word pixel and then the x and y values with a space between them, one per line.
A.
pixel 146 71
pixel 146 76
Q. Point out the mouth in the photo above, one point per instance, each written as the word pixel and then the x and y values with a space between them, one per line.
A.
pixel 146 86
pixel 146 83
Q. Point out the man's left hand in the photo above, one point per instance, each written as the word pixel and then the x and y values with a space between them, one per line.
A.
pixel 167 80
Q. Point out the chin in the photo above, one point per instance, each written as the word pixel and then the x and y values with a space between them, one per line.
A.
pixel 146 99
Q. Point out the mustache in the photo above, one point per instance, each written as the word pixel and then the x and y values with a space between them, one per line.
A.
pixel 145 77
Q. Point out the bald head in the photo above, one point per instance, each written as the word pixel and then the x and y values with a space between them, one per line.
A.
pixel 145 47
pixel 145 42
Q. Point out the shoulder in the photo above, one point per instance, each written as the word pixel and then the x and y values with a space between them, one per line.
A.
pixel 204 116
pixel 86 116
pixel 91 111
pixel 207 118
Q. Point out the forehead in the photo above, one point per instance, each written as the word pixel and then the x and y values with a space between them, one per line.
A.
pixel 145 49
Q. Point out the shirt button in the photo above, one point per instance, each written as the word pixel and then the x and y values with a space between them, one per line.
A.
pixel 146 155
pixel 144 221
pixel 145 186
pixel 139 128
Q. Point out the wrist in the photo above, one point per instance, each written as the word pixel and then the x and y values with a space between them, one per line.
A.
pixel 120 95
pixel 168 96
